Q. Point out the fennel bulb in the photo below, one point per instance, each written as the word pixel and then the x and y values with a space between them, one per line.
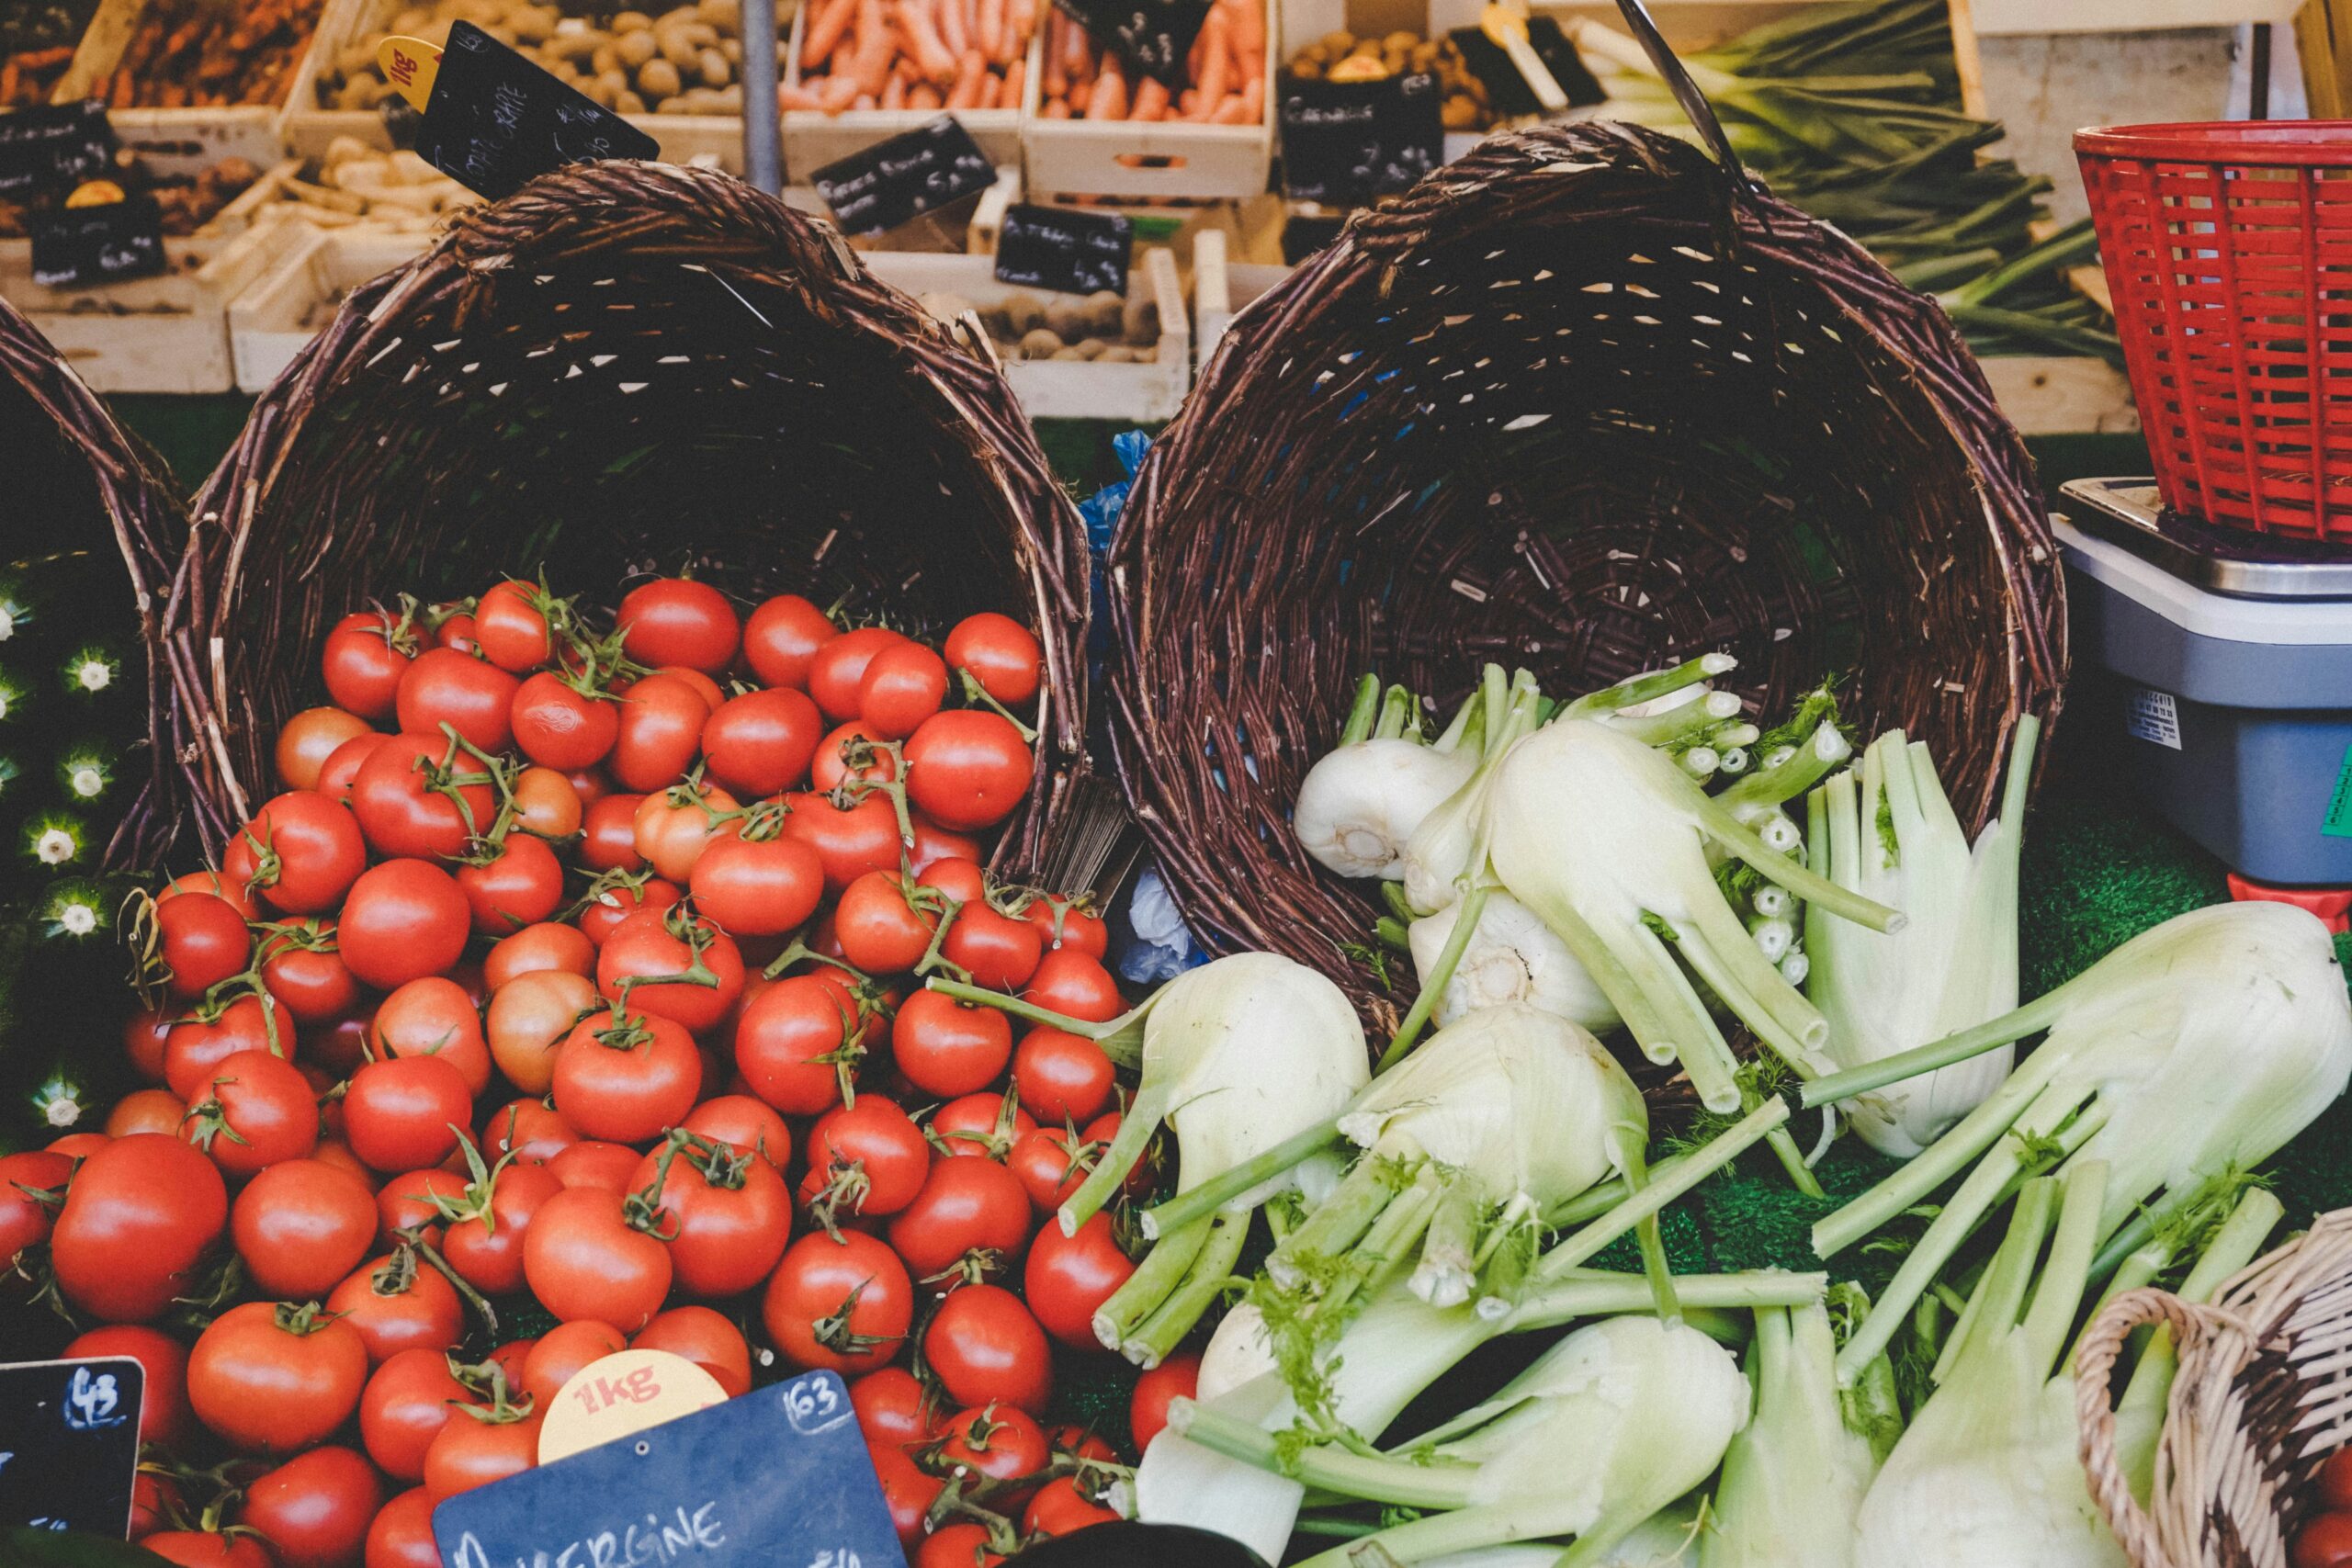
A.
pixel 1606 840
pixel 1359 803
pixel 1512 956
pixel 1794 1479
pixel 1954 965
pixel 1988 1474
pixel 2203 1045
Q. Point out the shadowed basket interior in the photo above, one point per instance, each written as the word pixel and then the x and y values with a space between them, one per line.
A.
pixel 624 368
pixel 1575 403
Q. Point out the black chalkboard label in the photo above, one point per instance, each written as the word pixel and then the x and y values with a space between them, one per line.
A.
pixel 75 246
pixel 1345 142
pixel 1153 36
pixel 1064 250
pixel 69 1444
pixel 779 1475
pixel 495 121
pixel 53 147
pixel 917 172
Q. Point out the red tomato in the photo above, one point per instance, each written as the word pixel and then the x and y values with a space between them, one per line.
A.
pixel 1063 924
pixel 301 852
pixel 933 843
pixel 529 1018
pixel 794 1044
pixel 520 883
pixel 850 755
pixel 416 795
pixel 470 696
pixel 618 895
pixel 987 1124
pixel 24 1218
pixel 301 1226
pixel 626 1076
pixel 675 825
pixel 399 1114
pixel 339 774
pixel 727 1217
pixel 996 1442
pixel 866 1159
pixel 268 1376
pixel 433 1017
pixel 903 685
pixel 143 1036
pixel 761 742
pixel 545 804
pixel 366 656
pixel 486 1248
pixel 2324 1542
pixel 203 941
pixel 947 1047
pixel 1000 653
pixel 2336 1481
pixel 258 1109
pixel 77 1146
pixel 660 731
pixel 741 1122
pixel 511 626
pixel 908 1490
pixel 840 1304
pixel 406 1402
pixel 208 882
pixel 696 969
pixel 584 1259
pixel 1082 1442
pixel 561 1351
pixel 1049 1162
pixel 309 739
pixel 478 1448
pixel 971 1215
pixel 998 951
pixel 314 1509
pixel 1060 1077
pixel 893 1409
pixel 1070 983
pixel 408 1202
pixel 530 1130
pixel 675 620
pixel 705 1338
pixel 1102 1131
pixel 146 1110
pixel 547 945
pixel 211 1036
pixel 878 925
pixel 402 1535
pixel 608 834
pixel 961 1545
pixel 968 768
pixel 594 1163
pixel 1061 1509
pixel 758 887
pixel 1067 1279
pixel 850 841
pixel 397 1302
pixel 163 1414
pixel 208 1549
pixel 305 972
pixel 781 637
pixel 140 1213
pixel 455 630
pixel 405 920
pixel 986 1348
pixel 837 667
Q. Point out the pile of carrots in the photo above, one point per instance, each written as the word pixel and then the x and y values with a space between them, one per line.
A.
pixel 913 54
pixel 1225 76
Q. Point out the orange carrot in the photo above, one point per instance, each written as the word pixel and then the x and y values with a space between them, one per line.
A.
pixel 1109 99
pixel 952 31
pixel 923 95
pixel 991 91
pixel 965 93
pixel 790 97
pixel 1248 26
pixel 1152 99
pixel 1253 100
pixel 1016 77
pixel 870 62
pixel 1021 23
pixel 826 25
pixel 838 93
pixel 988 35
pixel 894 97
pixel 1232 110
pixel 1188 102
pixel 1078 50
pixel 1217 61
pixel 919 22
pixel 1057 109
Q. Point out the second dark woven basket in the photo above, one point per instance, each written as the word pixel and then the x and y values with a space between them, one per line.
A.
pixel 1583 402
pixel 623 368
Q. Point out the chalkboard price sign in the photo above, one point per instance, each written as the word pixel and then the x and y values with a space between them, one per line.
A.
pixel 1064 250
pixel 1153 36
pixel 53 147
pixel 69 1443
pixel 78 245
pixel 777 1476
pixel 496 122
pixel 892 182
pixel 1345 142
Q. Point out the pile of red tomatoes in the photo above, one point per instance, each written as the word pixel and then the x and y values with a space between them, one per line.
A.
pixel 571 997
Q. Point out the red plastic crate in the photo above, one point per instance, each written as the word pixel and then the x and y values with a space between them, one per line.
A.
pixel 2228 249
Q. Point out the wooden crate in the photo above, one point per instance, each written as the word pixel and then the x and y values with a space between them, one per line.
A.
pixel 269 320
pixel 1154 161
pixel 1070 388
pixel 179 136
pixel 1223 287
pixel 812 139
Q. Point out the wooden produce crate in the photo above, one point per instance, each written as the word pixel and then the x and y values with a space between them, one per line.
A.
pixel 276 315
pixel 1052 389
pixel 812 139
pixel 251 132
pixel 1154 161
pixel 1222 286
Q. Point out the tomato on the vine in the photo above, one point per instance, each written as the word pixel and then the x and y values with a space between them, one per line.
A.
pixel 1049 1161
pixel 879 925
pixel 662 720
pixel 547 805
pixel 314 1509
pixel 903 684
pixel 967 767
pixel 203 941
pixel 204 1039
pixel 365 657
pixel 671 966
pixel 988 1124
pixel 269 1376
pixel 998 1442
pixel 849 840
pixel 839 1303
pixel 484 1244
pixel 146 1110
pixel 398 1302
pixel 140 1214
pixel 300 853
pixel 1060 1507
pixel 470 696
pixel 933 843
pixel 726 1214
pixel 626 1076
pixel 947 1047
pixel 616 895
pixel 854 757
pixel 758 886
pixel 1063 924
pixel 304 970
pixel 742 1121
pixel 339 774
pixel 837 668
pixel 405 918
pixel 999 652
pixel 398 1114
pixel 419 795
pixel 782 636
pixel 1075 985
pixel 208 1549
pixel 300 1227
pixel 594 1163
pixel 413 1202
pixel 970 1214
pixel 257 1111
pixel 561 1351
pixel 530 1130
pixel 547 945
pixel 1061 1077
pixel 675 825
pixel 866 1159
pixel 401 1534
pixel 432 1016
pixel 309 739
pixel 163 1413
pixel 585 1258
pixel 479 1445
pixel 908 1490
pixel 511 626
pixel 985 1346
pixel 761 742
pixel 520 883
pixel 707 1339
pixel 893 1408
pixel 796 1042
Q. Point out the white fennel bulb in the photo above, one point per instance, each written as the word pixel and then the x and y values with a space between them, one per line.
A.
pixel 1794 1479
pixel 1512 957
pixel 1359 805
pixel 1238 1351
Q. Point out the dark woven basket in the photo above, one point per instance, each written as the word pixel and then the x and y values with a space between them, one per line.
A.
pixel 623 368
pixel 1584 402
pixel 76 479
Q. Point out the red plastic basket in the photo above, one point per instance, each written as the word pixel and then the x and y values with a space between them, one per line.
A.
pixel 2228 248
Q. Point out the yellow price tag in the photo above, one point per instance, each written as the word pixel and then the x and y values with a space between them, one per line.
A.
pixel 623 1393
pixel 409 64
pixel 95 193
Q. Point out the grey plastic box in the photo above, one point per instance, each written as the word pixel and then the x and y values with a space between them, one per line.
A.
pixel 2222 669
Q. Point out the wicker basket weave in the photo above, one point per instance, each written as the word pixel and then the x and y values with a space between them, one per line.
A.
pixel 73 476
pixel 2263 1395
pixel 622 367
pixel 1583 402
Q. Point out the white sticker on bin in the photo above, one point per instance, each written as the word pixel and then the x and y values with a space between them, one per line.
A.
pixel 2153 716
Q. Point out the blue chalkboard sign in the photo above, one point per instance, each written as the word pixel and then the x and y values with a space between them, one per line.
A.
pixel 69 1443
pixel 776 1478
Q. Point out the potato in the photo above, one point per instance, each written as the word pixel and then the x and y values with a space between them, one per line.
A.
pixel 1104 310
pixel 1039 343
pixel 1066 320
pixel 714 70
pixel 631 22
pixel 408 21
pixel 732 47
pixel 1139 320
pixel 628 103
pixel 1089 347
pixel 1116 354
pixel 726 16
pixel 357 60
pixel 1339 43
pixel 604 57
pixel 610 86
pixel 658 79
pixel 533 23
pixel 1024 313
pixel 579 45
pixel 676 48
pixel 728 99
pixel 633 50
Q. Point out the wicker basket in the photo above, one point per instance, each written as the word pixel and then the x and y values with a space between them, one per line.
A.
pixel 623 368
pixel 1583 402
pixel 2263 1395
pixel 75 477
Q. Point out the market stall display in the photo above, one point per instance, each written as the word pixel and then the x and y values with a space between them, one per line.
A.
pixel 36 46
pixel 192 54
pixel 1090 135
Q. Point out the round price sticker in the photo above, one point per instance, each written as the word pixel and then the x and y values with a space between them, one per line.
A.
pixel 624 1392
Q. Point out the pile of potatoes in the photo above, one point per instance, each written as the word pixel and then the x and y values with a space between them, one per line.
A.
pixel 1101 327
pixel 1344 57
pixel 687 59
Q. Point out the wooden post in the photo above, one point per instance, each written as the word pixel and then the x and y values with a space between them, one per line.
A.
pixel 2323 38
pixel 1967 60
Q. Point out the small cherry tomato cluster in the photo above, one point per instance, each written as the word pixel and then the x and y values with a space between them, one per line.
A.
pixel 2325 1539
pixel 572 996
